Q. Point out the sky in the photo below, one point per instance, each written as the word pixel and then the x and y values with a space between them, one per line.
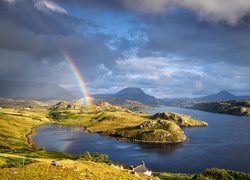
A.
pixel 187 48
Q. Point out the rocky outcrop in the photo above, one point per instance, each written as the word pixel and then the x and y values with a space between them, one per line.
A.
pixel 161 130
pixel 57 164
pixel 180 119
pixel 148 124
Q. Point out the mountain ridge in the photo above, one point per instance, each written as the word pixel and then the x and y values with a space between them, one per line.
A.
pixel 220 96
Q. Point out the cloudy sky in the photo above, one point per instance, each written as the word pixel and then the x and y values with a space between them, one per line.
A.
pixel 168 48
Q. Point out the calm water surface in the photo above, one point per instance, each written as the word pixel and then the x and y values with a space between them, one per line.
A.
pixel 225 143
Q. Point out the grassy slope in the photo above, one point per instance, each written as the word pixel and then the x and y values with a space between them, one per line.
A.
pixel 14 124
pixel 86 170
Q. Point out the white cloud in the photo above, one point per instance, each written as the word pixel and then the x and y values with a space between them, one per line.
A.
pixel 215 11
pixel 47 6
pixel 161 75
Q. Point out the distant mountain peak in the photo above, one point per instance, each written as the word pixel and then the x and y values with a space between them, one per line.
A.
pixel 220 96
pixel 133 93
pixel 224 92
pixel 131 90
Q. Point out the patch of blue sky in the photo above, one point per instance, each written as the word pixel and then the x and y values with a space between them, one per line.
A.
pixel 179 11
pixel 113 24
pixel 171 68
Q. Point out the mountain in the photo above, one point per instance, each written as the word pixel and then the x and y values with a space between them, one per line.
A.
pixel 14 89
pixel 136 94
pixel 221 96
pixel 132 93
pixel 102 95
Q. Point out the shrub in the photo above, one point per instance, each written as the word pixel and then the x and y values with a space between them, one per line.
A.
pixel 15 162
pixel 96 157
pixel 222 174
pixel 200 177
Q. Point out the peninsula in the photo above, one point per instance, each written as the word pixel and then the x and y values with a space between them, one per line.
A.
pixel 123 124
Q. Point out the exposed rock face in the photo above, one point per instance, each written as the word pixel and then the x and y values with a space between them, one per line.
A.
pixel 179 119
pixel 148 124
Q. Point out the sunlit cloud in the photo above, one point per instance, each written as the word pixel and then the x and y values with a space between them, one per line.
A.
pixel 47 6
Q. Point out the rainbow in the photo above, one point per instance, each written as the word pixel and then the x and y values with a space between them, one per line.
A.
pixel 87 98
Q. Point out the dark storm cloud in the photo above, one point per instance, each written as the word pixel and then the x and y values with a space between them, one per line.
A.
pixel 25 15
pixel 168 48
pixel 183 36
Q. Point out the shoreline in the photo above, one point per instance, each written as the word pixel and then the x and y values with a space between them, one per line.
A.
pixel 28 137
pixel 31 132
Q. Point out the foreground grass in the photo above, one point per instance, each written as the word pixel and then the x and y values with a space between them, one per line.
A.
pixel 85 170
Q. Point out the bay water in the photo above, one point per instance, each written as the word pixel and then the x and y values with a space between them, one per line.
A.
pixel 224 144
